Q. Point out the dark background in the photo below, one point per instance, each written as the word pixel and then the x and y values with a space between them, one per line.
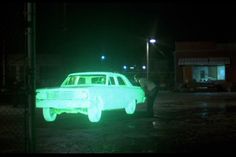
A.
pixel 84 31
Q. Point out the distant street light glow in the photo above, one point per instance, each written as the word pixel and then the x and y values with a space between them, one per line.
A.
pixel 125 67
pixel 103 57
pixel 143 67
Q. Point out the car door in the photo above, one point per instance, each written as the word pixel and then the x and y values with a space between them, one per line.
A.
pixel 121 93
pixel 110 94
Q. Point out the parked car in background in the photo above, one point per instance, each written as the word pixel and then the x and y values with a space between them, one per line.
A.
pixel 90 93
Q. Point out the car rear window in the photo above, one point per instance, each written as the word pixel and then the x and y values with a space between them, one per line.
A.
pixel 86 79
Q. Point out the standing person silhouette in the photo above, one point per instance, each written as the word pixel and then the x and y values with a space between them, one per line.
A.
pixel 150 89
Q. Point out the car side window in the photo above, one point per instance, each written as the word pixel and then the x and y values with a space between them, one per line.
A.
pixel 81 80
pixel 111 81
pixel 71 80
pixel 120 81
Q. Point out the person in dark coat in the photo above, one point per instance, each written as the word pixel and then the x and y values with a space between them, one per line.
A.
pixel 150 89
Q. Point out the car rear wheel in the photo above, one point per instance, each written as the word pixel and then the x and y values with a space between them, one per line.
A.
pixel 49 115
pixel 95 111
pixel 130 108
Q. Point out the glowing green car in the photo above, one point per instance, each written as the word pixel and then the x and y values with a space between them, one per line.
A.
pixel 90 93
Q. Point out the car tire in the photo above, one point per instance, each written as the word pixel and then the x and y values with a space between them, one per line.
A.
pixel 95 111
pixel 49 115
pixel 130 108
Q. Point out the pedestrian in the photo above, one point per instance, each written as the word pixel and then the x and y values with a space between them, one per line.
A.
pixel 150 89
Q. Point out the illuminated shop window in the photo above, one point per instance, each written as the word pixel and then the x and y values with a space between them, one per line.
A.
pixel 208 73
pixel 221 72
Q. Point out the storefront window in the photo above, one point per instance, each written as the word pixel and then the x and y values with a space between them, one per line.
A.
pixel 208 73
pixel 220 72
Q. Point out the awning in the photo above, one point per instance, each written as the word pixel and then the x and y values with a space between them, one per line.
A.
pixel 219 61
pixel 204 61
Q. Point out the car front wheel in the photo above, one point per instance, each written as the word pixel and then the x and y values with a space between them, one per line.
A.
pixel 49 115
pixel 95 111
pixel 131 107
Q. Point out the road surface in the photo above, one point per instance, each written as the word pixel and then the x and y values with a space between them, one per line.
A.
pixel 183 122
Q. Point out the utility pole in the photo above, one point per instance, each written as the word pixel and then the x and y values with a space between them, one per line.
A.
pixel 152 41
pixel 31 53
pixel 147 51
pixel 3 66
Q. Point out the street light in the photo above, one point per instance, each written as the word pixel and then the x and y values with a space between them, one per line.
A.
pixel 152 41
pixel 143 67
pixel 103 57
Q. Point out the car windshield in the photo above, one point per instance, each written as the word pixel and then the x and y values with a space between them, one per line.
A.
pixel 85 80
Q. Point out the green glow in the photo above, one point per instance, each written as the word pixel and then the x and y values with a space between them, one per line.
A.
pixel 89 93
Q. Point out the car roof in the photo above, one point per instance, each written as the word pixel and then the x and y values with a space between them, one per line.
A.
pixel 95 73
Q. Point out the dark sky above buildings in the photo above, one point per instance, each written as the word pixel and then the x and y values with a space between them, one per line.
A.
pixel 118 30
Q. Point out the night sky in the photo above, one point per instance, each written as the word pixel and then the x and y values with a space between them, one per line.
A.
pixel 85 31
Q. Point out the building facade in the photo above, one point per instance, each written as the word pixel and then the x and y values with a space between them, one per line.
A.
pixel 205 63
pixel 48 69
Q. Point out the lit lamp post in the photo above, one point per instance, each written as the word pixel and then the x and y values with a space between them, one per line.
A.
pixel 152 41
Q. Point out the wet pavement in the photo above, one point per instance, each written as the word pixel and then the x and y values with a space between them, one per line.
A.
pixel 183 122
